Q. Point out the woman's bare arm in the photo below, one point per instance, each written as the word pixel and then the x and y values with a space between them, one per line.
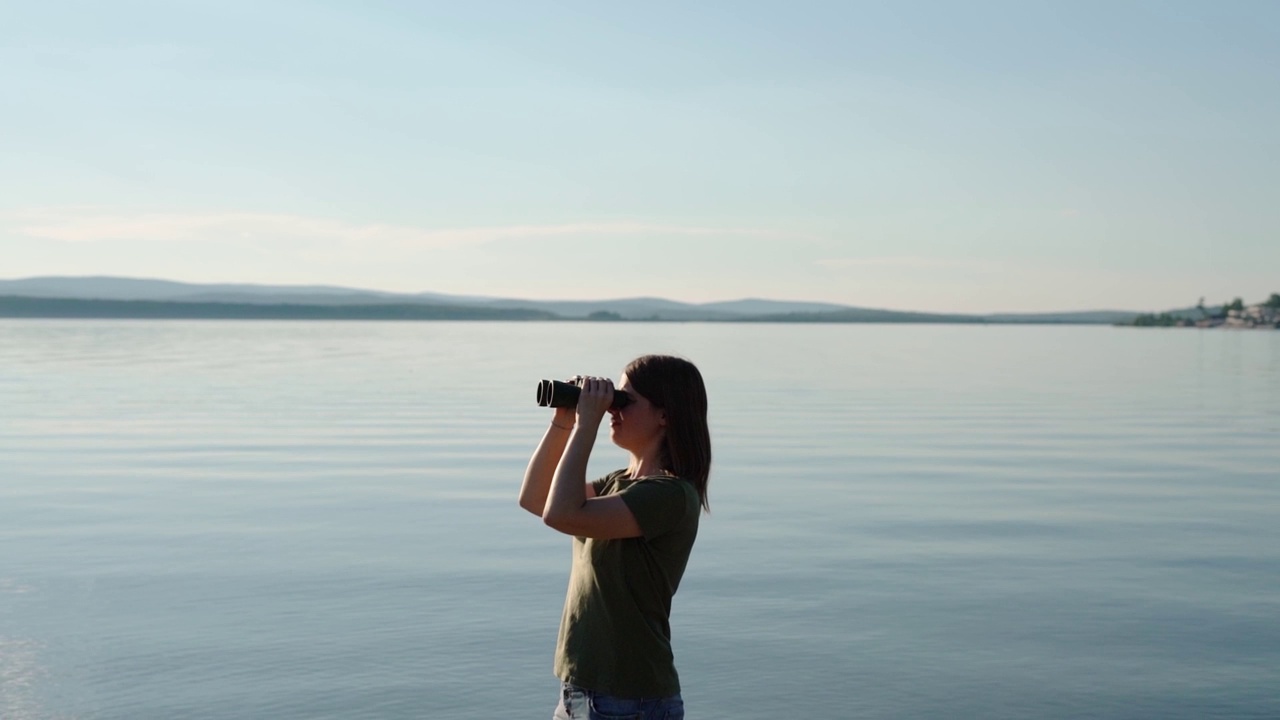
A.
pixel 570 506
pixel 542 466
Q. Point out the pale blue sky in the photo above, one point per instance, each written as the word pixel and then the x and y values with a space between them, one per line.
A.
pixel 950 156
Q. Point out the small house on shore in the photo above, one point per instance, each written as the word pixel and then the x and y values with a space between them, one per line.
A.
pixel 1253 316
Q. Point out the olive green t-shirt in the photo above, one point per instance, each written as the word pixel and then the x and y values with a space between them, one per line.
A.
pixel 615 634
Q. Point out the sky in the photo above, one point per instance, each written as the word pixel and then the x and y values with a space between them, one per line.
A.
pixel 945 156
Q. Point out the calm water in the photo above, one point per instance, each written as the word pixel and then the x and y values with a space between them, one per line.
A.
pixel 318 520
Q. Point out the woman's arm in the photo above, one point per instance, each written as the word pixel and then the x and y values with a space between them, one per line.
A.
pixel 537 477
pixel 569 506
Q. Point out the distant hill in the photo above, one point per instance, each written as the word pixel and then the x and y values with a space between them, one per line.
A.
pixel 101 297
pixel 757 306
pixel 863 315
pixel 1190 313
pixel 1101 317
pixel 626 309
pixel 116 288
pixel 39 307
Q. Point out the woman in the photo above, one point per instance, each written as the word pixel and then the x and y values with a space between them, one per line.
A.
pixel 632 532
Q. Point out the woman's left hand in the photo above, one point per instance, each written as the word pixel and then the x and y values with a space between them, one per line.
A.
pixel 594 399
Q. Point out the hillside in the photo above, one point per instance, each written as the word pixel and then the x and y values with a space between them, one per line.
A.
pixel 102 297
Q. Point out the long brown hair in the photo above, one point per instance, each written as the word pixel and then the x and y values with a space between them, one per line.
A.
pixel 675 386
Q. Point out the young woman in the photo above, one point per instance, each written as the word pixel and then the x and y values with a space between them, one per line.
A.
pixel 632 533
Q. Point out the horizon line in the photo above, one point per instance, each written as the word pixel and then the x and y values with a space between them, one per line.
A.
pixel 324 286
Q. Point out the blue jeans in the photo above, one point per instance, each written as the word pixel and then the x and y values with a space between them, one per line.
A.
pixel 579 704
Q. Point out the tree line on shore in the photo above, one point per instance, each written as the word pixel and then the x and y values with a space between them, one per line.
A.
pixel 1166 319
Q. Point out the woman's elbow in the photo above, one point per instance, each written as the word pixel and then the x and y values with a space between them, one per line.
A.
pixel 528 505
pixel 555 521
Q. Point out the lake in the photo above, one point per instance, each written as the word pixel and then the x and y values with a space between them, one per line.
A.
pixel 294 520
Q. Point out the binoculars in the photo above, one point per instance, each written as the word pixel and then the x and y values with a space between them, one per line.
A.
pixel 553 393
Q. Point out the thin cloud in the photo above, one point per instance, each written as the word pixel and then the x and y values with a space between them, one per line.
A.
pixel 87 225
pixel 908 262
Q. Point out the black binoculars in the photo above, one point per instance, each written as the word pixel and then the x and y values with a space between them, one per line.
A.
pixel 553 393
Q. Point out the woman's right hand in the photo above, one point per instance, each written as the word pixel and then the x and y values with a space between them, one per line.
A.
pixel 594 400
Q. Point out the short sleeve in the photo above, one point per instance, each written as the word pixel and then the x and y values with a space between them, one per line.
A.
pixel 660 504
pixel 603 486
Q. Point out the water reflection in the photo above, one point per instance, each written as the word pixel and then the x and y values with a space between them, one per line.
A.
pixel 294 520
pixel 20 677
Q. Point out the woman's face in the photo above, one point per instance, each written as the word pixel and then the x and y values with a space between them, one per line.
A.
pixel 639 425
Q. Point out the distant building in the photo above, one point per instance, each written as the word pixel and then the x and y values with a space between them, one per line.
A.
pixel 1254 316
pixel 1262 314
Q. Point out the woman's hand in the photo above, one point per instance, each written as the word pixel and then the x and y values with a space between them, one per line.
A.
pixel 594 400
pixel 565 417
